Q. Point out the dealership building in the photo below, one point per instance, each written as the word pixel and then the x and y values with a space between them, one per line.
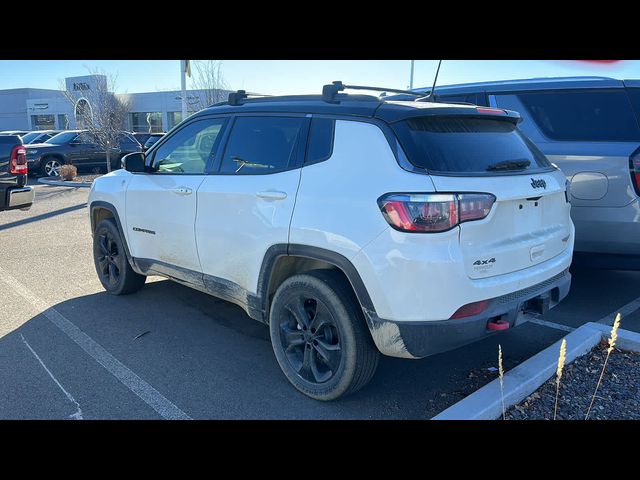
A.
pixel 43 109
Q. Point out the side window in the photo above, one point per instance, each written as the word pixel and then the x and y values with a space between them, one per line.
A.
pixel 320 146
pixel 85 138
pixel 591 116
pixel 261 145
pixel 189 149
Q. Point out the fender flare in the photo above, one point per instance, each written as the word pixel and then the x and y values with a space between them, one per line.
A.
pixel 295 250
pixel 111 208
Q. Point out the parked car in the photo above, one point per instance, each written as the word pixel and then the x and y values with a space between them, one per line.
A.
pixel 588 126
pixel 351 225
pixel 141 138
pixel 39 136
pixel 153 138
pixel 14 192
pixel 78 147
pixel 14 132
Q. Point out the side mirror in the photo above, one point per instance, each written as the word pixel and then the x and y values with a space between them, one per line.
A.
pixel 134 162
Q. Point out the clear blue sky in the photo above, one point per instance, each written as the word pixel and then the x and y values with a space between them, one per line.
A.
pixel 301 76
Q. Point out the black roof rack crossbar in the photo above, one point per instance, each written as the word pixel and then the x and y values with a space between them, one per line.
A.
pixel 330 91
pixel 235 98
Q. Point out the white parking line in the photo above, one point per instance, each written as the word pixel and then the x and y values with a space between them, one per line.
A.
pixel 625 310
pixel 557 326
pixel 128 378
pixel 78 414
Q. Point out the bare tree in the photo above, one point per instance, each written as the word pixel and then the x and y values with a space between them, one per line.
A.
pixel 209 82
pixel 101 112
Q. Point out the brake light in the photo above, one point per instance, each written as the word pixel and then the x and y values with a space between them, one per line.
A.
pixel 19 161
pixel 433 212
pixel 491 111
pixel 470 309
pixel 634 162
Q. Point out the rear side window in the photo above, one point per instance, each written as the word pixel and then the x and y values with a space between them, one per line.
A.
pixel 261 145
pixel 590 116
pixel 320 146
pixel 468 145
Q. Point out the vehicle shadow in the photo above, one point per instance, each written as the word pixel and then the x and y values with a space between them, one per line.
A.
pixel 213 361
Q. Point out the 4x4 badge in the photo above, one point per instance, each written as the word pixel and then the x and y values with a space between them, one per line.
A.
pixel 538 183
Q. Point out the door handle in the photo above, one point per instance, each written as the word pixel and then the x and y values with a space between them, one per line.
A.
pixel 182 191
pixel 272 195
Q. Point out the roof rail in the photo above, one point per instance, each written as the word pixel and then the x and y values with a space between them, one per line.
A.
pixel 329 92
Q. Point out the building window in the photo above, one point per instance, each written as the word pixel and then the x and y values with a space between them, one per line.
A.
pixel 63 121
pixel 43 122
pixel 146 122
pixel 173 118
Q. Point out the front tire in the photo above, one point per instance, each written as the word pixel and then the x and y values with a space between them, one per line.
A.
pixel 319 335
pixel 110 259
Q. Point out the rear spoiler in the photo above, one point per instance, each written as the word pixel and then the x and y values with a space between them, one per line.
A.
pixel 391 113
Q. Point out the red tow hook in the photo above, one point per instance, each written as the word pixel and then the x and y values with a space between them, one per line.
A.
pixel 497 325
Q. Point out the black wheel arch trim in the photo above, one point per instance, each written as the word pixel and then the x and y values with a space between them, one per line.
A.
pixel 99 204
pixel 316 253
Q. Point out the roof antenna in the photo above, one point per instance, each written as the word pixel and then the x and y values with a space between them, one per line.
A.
pixel 431 96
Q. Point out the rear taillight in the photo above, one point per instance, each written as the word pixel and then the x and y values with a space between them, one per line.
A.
pixel 634 165
pixel 433 212
pixel 19 161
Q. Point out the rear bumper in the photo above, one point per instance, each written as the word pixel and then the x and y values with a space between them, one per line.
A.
pixel 420 339
pixel 20 198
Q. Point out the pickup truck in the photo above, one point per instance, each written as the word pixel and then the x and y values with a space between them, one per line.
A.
pixel 14 192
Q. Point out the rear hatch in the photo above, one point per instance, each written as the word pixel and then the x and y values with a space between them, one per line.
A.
pixel 529 222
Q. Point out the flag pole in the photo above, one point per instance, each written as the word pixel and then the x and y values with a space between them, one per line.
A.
pixel 183 80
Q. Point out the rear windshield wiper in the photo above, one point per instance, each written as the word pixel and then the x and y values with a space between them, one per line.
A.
pixel 509 165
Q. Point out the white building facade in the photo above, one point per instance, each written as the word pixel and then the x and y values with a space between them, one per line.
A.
pixel 42 109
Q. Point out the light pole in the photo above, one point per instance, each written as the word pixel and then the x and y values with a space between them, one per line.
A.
pixel 411 77
pixel 183 81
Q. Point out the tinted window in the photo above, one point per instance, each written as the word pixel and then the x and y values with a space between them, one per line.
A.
pixel 634 95
pixel 86 138
pixel 466 145
pixel 64 137
pixel 261 145
pixel 587 116
pixel 320 144
pixel 189 149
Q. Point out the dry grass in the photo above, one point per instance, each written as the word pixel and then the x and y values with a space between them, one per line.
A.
pixel 68 172
pixel 612 344
pixel 501 372
pixel 561 360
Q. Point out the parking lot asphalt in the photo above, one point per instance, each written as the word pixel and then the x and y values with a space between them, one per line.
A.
pixel 70 350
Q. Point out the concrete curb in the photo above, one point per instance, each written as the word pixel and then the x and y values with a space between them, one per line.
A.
pixel 62 183
pixel 627 340
pixel 486 403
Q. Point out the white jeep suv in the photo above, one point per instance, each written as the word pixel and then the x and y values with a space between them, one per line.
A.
pixel 349 224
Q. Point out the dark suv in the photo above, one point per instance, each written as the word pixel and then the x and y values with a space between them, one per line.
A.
pixel 77 147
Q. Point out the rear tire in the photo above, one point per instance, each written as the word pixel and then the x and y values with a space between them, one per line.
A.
pixel 110 259
pixel 50 166
pixel 319 335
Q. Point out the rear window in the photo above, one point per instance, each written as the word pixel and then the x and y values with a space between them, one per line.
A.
pixel 468 145
pixel 590 116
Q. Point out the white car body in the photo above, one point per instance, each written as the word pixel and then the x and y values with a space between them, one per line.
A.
pixel 217 233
